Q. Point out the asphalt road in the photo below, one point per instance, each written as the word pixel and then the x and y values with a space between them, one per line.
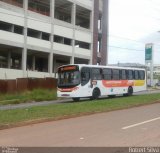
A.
pixel 138 126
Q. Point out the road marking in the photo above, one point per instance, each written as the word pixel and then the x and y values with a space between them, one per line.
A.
pixel 81 138
pixel 137 124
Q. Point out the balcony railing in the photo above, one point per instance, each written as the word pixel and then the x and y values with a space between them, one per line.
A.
pixel 18 3
pixel 39 6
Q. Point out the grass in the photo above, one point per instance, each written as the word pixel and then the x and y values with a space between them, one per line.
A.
pixel 28 96
pixel 66 110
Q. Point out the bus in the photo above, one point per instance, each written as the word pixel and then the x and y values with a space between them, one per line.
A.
pixel 92 81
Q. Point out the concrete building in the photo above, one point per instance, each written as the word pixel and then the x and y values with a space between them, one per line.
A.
pixel 37 36
pixel 100 32
pixel 156 69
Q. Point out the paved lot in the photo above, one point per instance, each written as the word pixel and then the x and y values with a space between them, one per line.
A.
pixel 138 126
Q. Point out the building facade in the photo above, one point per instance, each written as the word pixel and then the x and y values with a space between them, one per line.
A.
pixel 100 32
pixel 37 36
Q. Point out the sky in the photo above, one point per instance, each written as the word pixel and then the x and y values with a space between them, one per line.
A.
pixel 132 24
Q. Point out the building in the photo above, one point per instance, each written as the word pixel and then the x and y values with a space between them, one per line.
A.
pixel 156 69
pixel 100 32
pixel 37 36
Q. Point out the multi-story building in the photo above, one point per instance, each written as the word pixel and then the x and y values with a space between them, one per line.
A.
pixel 37 36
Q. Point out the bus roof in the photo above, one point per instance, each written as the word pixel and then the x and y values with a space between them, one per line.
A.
pixel 102 66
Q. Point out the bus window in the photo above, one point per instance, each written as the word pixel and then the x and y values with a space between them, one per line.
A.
pixel 129 74
pixel 96 74
pixel 68 78
pixel 141 75
pixel 107 74
pixel 123 75
pixel 115 73
pixel 136 76
pixel 85 75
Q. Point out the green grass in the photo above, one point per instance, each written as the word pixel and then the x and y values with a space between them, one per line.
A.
pixel 66 110
pixel 28 96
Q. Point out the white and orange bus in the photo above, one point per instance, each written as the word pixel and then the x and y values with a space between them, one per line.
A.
pixel 79 81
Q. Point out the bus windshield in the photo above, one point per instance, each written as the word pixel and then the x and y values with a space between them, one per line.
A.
pixel 68 78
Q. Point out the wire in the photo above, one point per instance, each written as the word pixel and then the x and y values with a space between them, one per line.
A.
pixel 135 50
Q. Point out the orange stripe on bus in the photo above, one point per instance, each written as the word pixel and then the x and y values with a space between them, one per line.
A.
pixel 122 83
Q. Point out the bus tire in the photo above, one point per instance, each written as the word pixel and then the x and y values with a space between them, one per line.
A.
pixel 95 94
pixel 76 99
pixel 130 92
pixel 111 96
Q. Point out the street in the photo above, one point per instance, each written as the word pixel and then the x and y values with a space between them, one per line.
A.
pixel 139 126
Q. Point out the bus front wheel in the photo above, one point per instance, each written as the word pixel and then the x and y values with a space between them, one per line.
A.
pixel 95 94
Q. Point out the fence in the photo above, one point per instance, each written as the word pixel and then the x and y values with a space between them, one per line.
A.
pixel 22 84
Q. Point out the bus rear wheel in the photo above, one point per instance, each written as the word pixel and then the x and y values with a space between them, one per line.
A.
pixel 95 94
pixel 76 99
pixel 130 92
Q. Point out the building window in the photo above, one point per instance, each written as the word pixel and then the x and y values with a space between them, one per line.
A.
pixel 6 26
pixel 67 41
pixel 82 17
pixel 18 29
pixel 80 44
pixel 33 33
pixel 18 3
pixel 38 34
pixel 11 27
pixel 39 6
pixel 58 39
pixel 63 10
pixel 3 61
pixel 45 36
pixel 62 40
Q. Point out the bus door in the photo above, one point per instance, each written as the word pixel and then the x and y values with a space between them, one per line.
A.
pixel 86 81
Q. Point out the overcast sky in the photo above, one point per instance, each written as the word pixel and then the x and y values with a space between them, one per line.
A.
pixel 132 24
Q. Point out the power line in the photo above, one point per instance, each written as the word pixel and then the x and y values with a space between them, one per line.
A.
pixel 131 49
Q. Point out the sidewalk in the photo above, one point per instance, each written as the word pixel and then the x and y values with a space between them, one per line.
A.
pixel 27 105
pixel 45 103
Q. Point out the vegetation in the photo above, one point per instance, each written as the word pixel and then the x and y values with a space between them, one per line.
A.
pixel 60 111
pixel 28 96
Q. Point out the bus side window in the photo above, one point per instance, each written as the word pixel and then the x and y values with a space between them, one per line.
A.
pixel 136 76
pixel 85 75
pixel 107 74
pixel 130 75
pixel 115 74
pixel 96 74
pixel 141 75
pixel 123 75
